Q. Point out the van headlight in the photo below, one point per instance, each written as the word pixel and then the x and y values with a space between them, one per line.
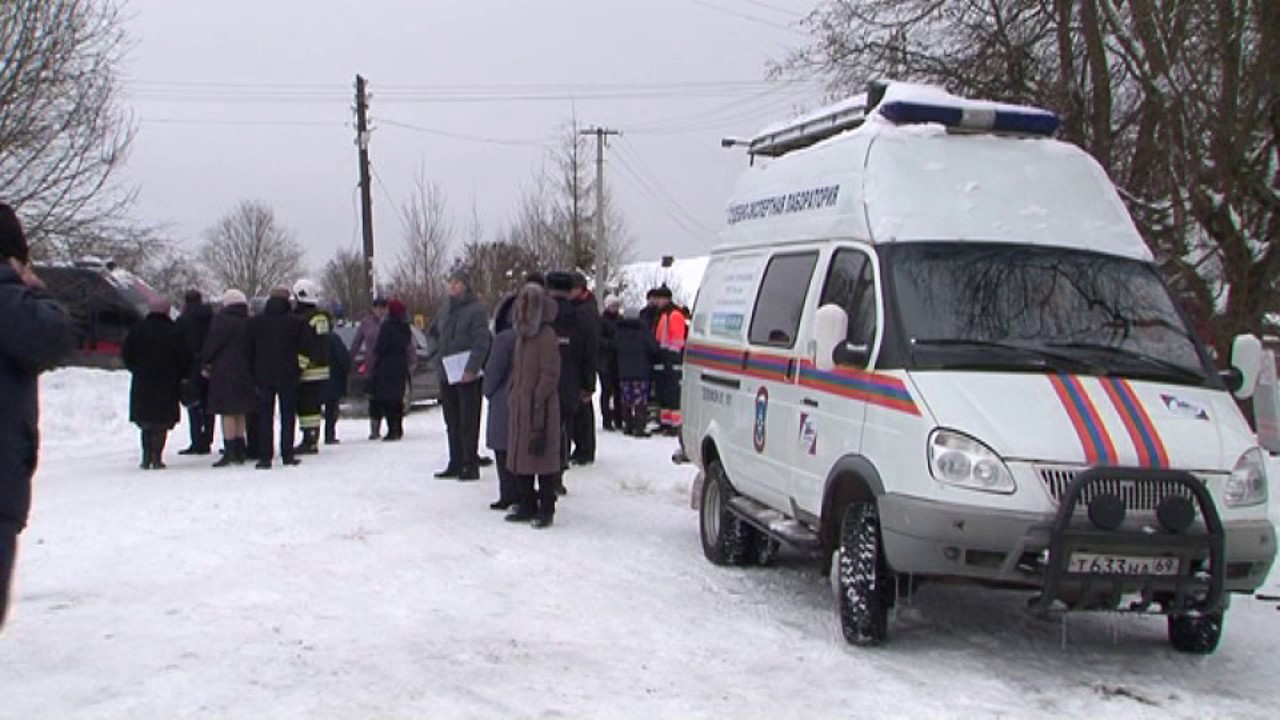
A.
pixel 1248 482
pixel 958 459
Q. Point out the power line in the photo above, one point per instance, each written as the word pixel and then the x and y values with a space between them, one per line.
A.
pixel 243 123
pixel 625 151
pixel 668 205
pixel 749 18
pixel 458 136
pixel 785 11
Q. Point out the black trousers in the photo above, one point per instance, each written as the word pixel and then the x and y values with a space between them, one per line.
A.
pixel 508 486
pixel 461 404
pixel 200 424
pixel 584 433
pixel 567 415
pixel 393 411
pixel 610 400
pixel 331 419
pixel 8 557
pixel 288 399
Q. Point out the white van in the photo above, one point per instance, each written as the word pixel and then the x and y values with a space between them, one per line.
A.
pixel 933 345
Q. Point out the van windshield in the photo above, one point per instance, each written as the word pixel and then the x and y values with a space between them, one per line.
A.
pixel 977 305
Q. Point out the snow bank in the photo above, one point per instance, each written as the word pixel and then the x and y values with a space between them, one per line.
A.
pixel 683 277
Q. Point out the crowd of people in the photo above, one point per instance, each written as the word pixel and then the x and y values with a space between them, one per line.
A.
pixel 539 362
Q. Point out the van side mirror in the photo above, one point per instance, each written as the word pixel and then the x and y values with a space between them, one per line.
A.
pixel 830 324
pixel 830 335
pixel 1246 359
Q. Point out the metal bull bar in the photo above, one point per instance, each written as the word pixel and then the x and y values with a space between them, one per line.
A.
pixel 1193 590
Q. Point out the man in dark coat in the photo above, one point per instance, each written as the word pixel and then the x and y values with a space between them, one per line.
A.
pixel 391 354
pixel 577 368
pixel 193 327
pixel 276 337
pixel 336 389
pixel 584 419
pixel 462 326
pixel 156 355
pixel 610 390
pixel 35 334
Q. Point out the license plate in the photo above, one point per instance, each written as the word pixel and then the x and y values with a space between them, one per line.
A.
pixel 1121 564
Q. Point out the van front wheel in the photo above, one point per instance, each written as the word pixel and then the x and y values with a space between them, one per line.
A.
pixel 726 538
pixel 1198 635
pixel 860 576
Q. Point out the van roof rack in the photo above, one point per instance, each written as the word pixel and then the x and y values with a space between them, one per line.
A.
pixel 808 129
pixel 902 104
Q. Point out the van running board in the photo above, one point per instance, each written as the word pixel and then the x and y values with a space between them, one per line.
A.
pixel 775 524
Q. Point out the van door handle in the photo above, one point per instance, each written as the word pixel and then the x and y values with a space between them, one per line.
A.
pixel 810 402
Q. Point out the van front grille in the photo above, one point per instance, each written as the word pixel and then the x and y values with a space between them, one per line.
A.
pixel 1138 495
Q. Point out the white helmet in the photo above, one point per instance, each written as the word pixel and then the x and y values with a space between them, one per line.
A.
pixel 306 291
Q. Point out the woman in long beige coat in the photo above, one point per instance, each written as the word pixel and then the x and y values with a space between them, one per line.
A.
pixel 533 443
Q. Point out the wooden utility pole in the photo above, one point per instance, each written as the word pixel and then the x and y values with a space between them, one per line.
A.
pixel 602 262
pixel 366 194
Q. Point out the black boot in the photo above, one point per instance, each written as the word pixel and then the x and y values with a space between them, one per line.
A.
pixel 158 440
pixel 639 422
pixel 451 471
pixel 375 428
pixel 310 444
pixel 229 453
pixel 146 450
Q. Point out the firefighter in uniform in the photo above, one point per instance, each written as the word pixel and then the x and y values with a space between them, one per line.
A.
pixel 314 361
pixel 670 330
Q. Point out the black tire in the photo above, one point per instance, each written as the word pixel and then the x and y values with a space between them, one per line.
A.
pixel 861 578
pixel 726 538
pixel 1198 635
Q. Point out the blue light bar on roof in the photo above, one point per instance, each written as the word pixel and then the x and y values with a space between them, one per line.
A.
pixel 1025 121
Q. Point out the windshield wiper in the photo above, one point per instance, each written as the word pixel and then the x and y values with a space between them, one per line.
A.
pixel 1166 366
pixel 1045 358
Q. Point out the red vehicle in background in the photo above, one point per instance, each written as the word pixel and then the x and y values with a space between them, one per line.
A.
pixel 104 302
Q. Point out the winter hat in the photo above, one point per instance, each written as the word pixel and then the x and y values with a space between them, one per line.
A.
pixel 559 280
pixel 193 298
pixel 396 307
pixel 380 301
pixel 580 281
pixel 13 242
pixel 460 274
pixel 158 306
pixel 233 297
pixel 662 292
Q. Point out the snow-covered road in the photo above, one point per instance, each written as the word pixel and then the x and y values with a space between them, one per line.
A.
pixel 358 586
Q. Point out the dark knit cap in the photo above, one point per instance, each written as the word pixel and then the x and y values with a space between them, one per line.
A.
pixel 559 280
pixel 662 292
pixel 13 242
pixel 579 281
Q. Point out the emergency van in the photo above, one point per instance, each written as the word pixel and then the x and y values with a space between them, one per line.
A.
pixel 932 344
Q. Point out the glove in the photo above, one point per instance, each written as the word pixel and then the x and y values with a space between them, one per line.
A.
pixel 538 443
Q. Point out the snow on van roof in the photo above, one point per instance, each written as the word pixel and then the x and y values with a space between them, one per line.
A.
pixel 888 182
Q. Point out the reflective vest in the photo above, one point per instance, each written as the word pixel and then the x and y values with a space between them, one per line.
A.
pixel 672 330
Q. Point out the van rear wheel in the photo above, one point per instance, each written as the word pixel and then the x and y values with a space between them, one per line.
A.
pixel 860 576
pixel 726 538
pixel 1198 635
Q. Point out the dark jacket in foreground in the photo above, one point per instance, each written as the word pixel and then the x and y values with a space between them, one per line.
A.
pixel 226 356
pixel 276 338
pixel 35 334
pixel 155 353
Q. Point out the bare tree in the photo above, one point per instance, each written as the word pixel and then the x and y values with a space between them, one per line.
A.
pixel 344 283
pixel 248 250
pixel 418 276
pixel 1177 101
pixel 497 268
pixel 173 272
pixel 63 134
pixel 555 219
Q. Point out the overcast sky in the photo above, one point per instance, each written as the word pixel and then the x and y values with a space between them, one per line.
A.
pixel 252 99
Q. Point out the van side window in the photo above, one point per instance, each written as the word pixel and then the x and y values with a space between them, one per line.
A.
pixel 776 318
pixel 851 285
